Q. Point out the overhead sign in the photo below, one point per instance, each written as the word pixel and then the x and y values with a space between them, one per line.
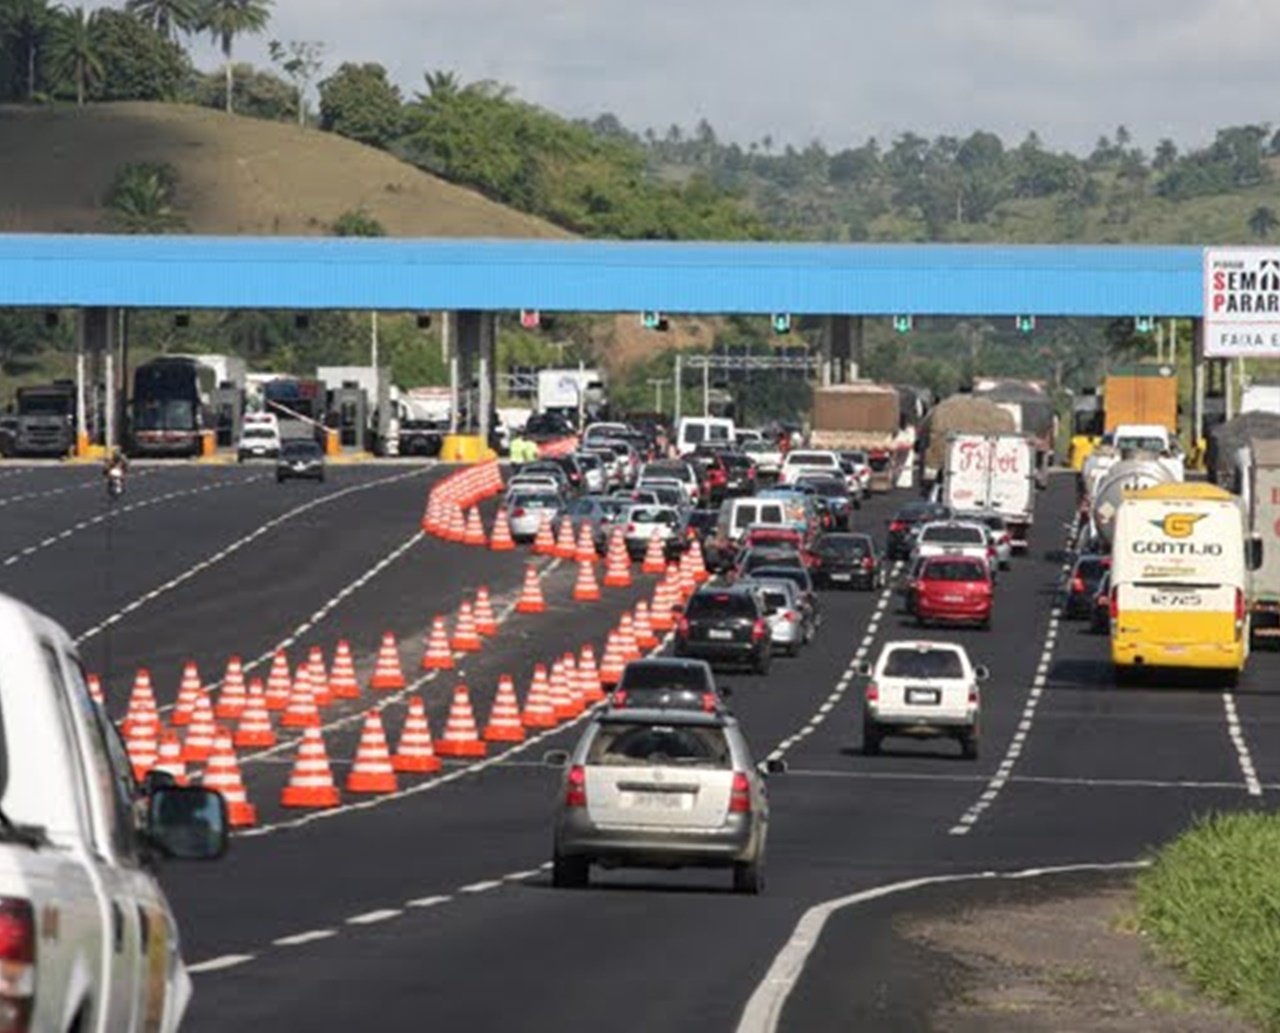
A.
pixel 1241 302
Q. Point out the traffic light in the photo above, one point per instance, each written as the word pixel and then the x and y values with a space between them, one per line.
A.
pixel 530 318
pixel 1144 324
pixel 782 322
pixel 1025 324
pixel 653 321
pixel 902 324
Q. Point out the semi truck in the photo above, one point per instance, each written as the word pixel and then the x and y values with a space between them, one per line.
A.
pixel 1257 482
pixel 866 416
pixel 993 473
pixel 45 422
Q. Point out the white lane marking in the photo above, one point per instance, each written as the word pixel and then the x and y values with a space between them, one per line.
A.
pixel 1243 756
pixel 373 917
pixel 521 876
pixel 481 887
pixel 298 939
pixel 218 964
pixel 764 1008
pixel 423 902
pixel 49 493
pixel 1000 780
pixel 234 547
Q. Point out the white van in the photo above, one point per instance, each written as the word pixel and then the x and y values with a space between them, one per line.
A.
pixel 259 437
pixel 737 515
pixel 693 431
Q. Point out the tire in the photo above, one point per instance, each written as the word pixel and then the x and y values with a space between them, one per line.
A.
pixel 570 873
pixel 969 745
pixel 762 663
pixel 748 877
pixel 872 737
pixel 793 649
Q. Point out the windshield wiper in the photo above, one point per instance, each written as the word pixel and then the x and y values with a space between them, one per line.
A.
pixel 33 836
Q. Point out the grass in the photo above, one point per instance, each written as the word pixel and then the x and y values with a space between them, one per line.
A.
pixel 1211 903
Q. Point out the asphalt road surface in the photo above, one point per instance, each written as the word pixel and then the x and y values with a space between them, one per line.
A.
pixel 433 908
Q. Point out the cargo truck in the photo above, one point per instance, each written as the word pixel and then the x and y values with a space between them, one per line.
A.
pixel 1258 485
pixel 45 424
pixel 1144 393
pixel 864 416
pixel 1032 409
pixel 993 473
pixel 959 414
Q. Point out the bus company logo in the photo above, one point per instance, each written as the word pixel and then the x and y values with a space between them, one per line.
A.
pixel 1179 525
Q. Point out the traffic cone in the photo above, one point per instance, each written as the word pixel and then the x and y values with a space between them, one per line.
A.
pixel 589 675
pixel 539 712
pixel 565 544
pixel 531 600
pixel 613 661
pixel 188 690
pixel 437 656
pixel 655 562
pixel 223 774
pixel 687 583
pixel 319 677
pixel 500 540
pixel 201 731
pixel 279 684
pixel 645 637
pixel 627 638
pixel 466 636
pixel 387 675
pixel 343 683
pixel 586 551
pixel 94 685
pixel 231 698
pixel 560 692
pixel 311 780
pixel 504 719
pixel 416 754
pixel 661 614
pixel 142 700
pixel 169 758
pixel 697 562
pixel 143 749
pixel 576 699
pixel 544 542
pixel 254 728
pixel 456 529
pixel 486 621
pixel 302 711
pixel 460 737
pixel 372 771
pixel 431 515
pixel 617 566
pixel 586 589
pixel 474 531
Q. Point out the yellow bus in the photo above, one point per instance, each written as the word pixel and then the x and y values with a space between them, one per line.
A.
pixel 1180 580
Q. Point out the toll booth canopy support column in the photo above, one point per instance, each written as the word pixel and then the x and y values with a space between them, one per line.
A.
pixel 841 349
pixel 476 343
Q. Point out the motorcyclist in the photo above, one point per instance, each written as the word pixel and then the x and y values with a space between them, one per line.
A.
pixel 115 469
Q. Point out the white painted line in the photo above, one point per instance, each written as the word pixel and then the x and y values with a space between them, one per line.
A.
pixel 481 887
pixel 298 939
pixel 218 964
pixel 423 902
pixel 763 1010
pixel 1243 757
pixel 373 917
pixel 520 876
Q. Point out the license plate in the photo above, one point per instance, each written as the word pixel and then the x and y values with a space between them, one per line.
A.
pixel 926 696
pixel 720 635
pixel 658 801
pixel 953 598
pixel 841 577
pixel 1175 649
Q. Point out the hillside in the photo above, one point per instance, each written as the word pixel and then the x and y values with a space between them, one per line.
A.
pixel 235 175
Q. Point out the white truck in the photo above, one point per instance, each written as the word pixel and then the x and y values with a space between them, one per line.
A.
pixel 569 391
pixel 992 474
pixel 1257 482
pixel 1155 439
pixel 89 941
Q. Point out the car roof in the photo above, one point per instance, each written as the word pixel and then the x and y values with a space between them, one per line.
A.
pixel 682 662
pixel 923 644
pixel 665 716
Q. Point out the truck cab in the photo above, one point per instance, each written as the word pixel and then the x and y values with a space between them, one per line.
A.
pixel 45 422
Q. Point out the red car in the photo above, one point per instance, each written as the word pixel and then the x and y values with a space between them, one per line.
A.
pixel 952 589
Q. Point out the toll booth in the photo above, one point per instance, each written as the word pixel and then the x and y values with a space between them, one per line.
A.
pixel 227 402
pixel 350 407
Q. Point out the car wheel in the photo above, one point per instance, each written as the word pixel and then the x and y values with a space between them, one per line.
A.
pixel 570 873
pixel 872 736
pixel 762 662
pixel 969 745
pixel 793 649
pixel 748 877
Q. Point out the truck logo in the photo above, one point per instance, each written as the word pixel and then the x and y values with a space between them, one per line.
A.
pixel 1178 525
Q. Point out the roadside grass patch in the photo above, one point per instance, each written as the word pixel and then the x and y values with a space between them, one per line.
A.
pixel 1211 903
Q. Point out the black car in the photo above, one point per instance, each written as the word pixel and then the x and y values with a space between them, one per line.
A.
pixel 572 469
pixel 665 681
pixel 421 437
pixel 847 561
pixel 741 477
pixel 1082 585
pixel 834 493
pixel 1100 606
pixel 301 459
pixel 701 523
pixel 725 624
pixel 904 523
pixel 546 426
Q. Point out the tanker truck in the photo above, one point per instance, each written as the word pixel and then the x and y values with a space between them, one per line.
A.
pixel 1133 473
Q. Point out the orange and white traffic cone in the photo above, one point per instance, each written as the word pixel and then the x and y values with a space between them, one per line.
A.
pixel 279 684
pixel 617 566
pixel 94 684
pixel 302 711
pixel 319 677
pixel 697 562
pixel 544 542
pixel 311 780
pixel 486 621
pixel 223 774
pixel 560 692
pixel 474 531
pixel 169 758
pixel 500 540
pixel 254 727
pixel 372 771
pixel 586 551
pixel 456 529
pixel 586 589
pixel 387 675
pixel 627 638
pixel 655 562
pixel 343 683
pixel 646 639
pixel 565 544
pixel 589 675
pixel 576 698
pixel 416 754
pixel 539 711
pixel 231 698
pixel 466 636
pixel 142 700
pixel 461 739
pixel 201 731
pixel 437 656
pixel 661 613
pixel 688 584
pixel 504 719
pixel 613 661
pixel 143 748
pixel 188 690
pixel 431 515
pixel 531 600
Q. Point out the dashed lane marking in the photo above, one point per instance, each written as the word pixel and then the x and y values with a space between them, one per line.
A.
pixel 1236 732
pixel 999 781
pixel 425 902
pixel 481 887
pixel 374 917
pixel 219 964
pixel 298 939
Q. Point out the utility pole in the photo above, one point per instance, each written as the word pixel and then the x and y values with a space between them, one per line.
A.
pixel 656 383
pixel 678 387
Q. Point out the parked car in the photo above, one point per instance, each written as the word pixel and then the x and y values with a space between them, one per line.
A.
pixel 906 521
pixel 847 561
pixel 665 682
pixel 725 624
pixel 952 590
pixel 300 458
pixel 662 788
pixel 922 688
pixel 1082 584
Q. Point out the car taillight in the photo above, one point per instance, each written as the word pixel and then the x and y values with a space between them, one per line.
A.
pixel 758 629
pixel 973 696
pixel 17 964
pixel 682 626
pixel 1077 584
pixel 791 615
pixel 740 794
pixel 868 563
pixel 709 702
pixel 575 793
pixel 1115 604
pixel 991 552
pixel 618 698
pixel 631 528
pixel 1005 539
pixel 518 511
pixel 897 525
pixel 1239 605
pixel 873 692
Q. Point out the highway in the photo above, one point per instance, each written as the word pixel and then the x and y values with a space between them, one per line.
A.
pixel 433 908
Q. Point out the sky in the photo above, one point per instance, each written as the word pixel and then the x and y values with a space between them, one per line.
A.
pixel 838 71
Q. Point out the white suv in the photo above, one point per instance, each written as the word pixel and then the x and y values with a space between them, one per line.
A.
pixel 801 461
pixel 922 688
pixel 955 538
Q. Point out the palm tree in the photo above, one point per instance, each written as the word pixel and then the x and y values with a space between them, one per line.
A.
pixel 443 85
pixel 28 23
pixel 73 51
pixel 167 17
pixel 224 20
pixel 141 200
pixel 1263 221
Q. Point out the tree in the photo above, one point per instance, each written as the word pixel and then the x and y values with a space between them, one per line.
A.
pixel 141 199
pixel 1166 155
pixel 138 62
pixel 167 17
pixel 258 94
pixel 73 50
pixel 442 84
pixel 29 25
pixel 1263 221
pixel 360 102
pixel 224 20
pixel 301 61
pixel 358 222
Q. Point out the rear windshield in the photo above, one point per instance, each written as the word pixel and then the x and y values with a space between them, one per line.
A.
pixel 536 501
pixel 841 545
pixel 953 570
pixel 720 604
pixel 920 511
pixel 772 558
pixel 651 515
pixel 663 676
pixel 959 535
pixel 811 459
pixel 680 471
pixel 775 600
pixel 629 745
pixel 828 486
pixel 1091 570
pixel 798 576
pixel 924 663
pixel 754 513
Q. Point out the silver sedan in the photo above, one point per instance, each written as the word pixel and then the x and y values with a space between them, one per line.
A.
pixel 527 510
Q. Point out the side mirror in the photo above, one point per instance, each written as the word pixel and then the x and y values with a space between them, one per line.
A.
pixel 981 672
pixel 1254 552
pixel 556 758
pixel 772 766
pixel 864 669
pixel 187 823
pixel 157 780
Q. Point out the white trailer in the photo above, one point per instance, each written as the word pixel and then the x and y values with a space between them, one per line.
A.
pixel 992 473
